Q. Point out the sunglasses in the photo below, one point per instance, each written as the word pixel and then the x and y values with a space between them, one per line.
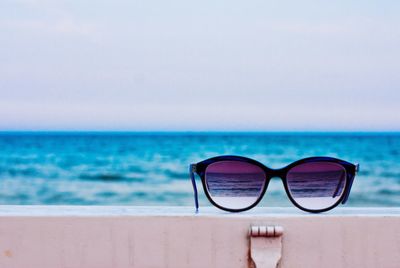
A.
pixel 235 183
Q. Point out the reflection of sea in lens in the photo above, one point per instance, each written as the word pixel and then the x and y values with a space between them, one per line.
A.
pixel 234 184
pixel 316 185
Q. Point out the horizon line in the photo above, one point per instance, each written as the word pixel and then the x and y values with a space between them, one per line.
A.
pixel 205 131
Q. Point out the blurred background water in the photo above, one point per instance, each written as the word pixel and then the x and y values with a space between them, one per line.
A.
pixel 152 168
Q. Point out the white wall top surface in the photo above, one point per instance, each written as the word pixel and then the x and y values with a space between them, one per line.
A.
pixel 112 211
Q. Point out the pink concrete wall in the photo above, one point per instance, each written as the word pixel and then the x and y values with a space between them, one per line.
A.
pixel 129 239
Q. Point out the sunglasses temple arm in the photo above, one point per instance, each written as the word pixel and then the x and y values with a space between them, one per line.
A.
pixel 192 169
pixel 356 169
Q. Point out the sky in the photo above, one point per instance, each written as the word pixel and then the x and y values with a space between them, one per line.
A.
pixel 200 65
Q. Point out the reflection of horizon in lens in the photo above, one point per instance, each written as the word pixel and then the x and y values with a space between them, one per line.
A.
pixel 234 190
pixel 227 184
pixel 316 185
pixel 321 184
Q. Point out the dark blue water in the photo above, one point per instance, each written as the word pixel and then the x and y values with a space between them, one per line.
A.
pixel 151 168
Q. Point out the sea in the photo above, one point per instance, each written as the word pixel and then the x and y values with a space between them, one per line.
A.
pixel 151 168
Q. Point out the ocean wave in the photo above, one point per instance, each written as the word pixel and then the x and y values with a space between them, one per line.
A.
pixel 103 177
pixel 59 198
pixel 390 174
pixel 107 194
pixel 176 174
pixel 111 177
pixel 391 192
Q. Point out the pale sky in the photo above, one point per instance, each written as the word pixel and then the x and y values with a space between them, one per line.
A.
pixel 200 65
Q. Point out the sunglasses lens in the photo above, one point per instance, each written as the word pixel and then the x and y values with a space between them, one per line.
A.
pixel 234 184
pixel 317 185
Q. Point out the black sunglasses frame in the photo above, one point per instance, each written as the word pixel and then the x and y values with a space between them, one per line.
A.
pixel 200 168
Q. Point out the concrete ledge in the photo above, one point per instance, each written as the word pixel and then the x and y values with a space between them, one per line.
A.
pixel 111 211
pixel 86 236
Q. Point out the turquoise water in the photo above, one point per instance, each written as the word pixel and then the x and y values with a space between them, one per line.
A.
pixel 151 168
